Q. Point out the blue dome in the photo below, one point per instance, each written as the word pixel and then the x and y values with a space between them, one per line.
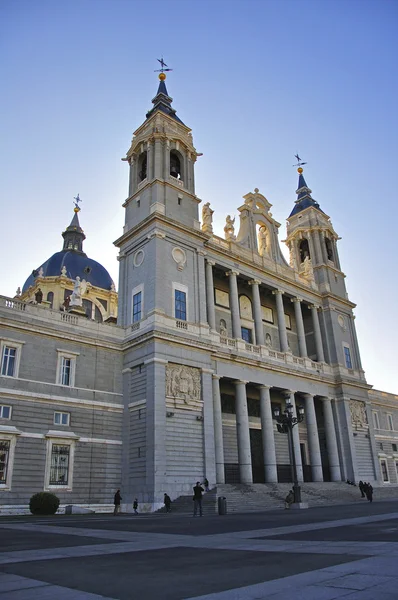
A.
pixel 77 264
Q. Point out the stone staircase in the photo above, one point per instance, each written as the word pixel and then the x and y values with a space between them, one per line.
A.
pixel 257 497
pixel 183 505
pixel 265 496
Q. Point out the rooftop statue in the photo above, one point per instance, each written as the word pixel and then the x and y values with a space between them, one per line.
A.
pixel 207 218
pixel 229 229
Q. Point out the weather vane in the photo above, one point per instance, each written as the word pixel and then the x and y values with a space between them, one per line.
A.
pixel 76 203
pixel 163 65
pixel 300 163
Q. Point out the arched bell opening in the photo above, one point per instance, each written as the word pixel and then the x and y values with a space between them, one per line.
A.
pixel 329 248
pixel 175 165
pixel 304 250
pixel 142 166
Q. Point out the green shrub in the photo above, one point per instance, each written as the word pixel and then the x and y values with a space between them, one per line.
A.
pixel 44 503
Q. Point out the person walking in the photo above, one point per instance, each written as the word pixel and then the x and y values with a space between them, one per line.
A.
pixel 206 484
pixel 369 492
pixel 361 489
pixel 135 506
pixel 116 501
pixel 197 498
pixel 167 502
pixel 289 499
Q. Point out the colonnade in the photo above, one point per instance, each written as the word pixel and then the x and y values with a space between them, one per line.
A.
pixel 267 433
pixel 257 314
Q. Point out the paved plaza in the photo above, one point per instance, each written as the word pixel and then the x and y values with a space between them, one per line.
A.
pixel 348 552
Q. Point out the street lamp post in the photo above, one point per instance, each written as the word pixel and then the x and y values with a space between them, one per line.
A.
pixel 285 423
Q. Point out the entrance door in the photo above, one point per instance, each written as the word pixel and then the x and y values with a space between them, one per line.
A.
pixel 256 447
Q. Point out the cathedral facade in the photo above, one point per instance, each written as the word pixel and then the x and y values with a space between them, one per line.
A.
pixel 177 377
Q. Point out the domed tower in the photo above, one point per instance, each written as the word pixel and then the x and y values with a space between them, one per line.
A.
pixel 53 282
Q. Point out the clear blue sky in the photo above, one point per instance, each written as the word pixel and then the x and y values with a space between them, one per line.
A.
pixel 256 80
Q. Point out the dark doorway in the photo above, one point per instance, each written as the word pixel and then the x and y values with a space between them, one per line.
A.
pixel 256 447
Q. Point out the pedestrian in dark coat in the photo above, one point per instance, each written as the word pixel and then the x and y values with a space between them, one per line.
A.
pixel 369 492
pixel 197 498
pixel 167 502
pixel 361 489
pixel 135 506
pixel 116 501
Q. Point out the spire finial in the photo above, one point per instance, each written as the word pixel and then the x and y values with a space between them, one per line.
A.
pixel 76 203
pixel 161 71
pixel 299 164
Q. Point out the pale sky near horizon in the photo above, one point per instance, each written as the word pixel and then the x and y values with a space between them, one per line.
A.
pixel 257 81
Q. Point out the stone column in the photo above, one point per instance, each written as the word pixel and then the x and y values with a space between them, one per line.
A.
pixel 218 437
pixel 149 161
pixel 234 302
pixel 323 246
pixel 296 438
pixel 317 333
pixel 209 438
pixel 331 441
pixel 312 248
pixel 300 327
pixel 267 433
pixel 243 433
pixel 158 159
pixel 258 318
pixel 211 313
pixel 318 249
pixel 281 320
pixel 336 254
pixel 166 160
pixel 133 175
pixel 313 438
pixel 200 277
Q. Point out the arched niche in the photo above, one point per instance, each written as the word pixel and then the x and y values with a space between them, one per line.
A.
pixel 142 166
pixel 263 239
pixel 304 250
pixel 329 248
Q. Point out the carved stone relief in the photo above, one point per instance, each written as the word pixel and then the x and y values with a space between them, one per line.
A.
pixel 183 385
pixel 358 413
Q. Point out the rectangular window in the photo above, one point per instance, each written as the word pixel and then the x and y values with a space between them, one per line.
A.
pixel 246 334
pixel 384 470
pixel 376 424
pixel 394 448
pixel 66 371
pixel 267 314
pixel 59 467
pixel 288 321
pixel 5 412
pixel 61 418
pixel 390 423
pixel 137 302
pixel 4 457
pixel 347 356
pixel 180 305
pixel 8 361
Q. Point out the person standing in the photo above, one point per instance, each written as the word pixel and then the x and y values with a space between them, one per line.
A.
pixel 361 489
pixel 197 498
pixel 369 492
pixel 135 506
pixel 167 502
pixel 116 501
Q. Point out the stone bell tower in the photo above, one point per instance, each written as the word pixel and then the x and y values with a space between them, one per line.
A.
pixel 162 159
pixel 312 242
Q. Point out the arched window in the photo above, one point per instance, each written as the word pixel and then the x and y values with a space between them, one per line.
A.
pixel 304 250
pixel 50 298
pixel 175 165
pixel 329 248
pixel 142 166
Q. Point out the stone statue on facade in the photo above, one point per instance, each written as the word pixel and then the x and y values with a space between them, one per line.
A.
pixel 263 241
pixel 41 272
pixel 78 291
pixel 308 271
pixel 18 292
pixel 39 296
pixel 229 229
pixel 63 271
pixel 207 218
